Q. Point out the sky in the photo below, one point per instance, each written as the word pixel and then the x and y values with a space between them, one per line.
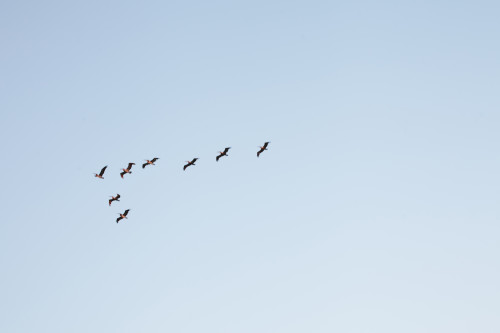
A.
pixel 375 208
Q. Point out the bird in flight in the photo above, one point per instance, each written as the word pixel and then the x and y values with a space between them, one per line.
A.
pixel 127 170
pixel 262 148
pixel 189 163
pixel 117 198
pixel 222 153
pixel 152 162
pixel 100 175
pixel 122 216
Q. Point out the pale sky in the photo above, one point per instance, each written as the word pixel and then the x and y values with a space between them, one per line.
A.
pixel 375 209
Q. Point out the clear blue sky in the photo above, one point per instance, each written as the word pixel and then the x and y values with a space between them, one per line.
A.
pixel 375 209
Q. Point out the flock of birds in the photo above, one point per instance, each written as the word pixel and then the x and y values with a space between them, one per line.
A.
pixel 128 169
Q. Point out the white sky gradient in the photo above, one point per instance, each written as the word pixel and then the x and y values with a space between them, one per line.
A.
pixel 375 209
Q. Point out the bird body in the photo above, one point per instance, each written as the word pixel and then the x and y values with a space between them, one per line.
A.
pixel 100 175
pixel 264 147
pixel 127 170
pixel 117 198
pixel 148 162
pixel 122 216
pixel 222 153
pixel 189 163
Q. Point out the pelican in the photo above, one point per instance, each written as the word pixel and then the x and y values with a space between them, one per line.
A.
pixel 152 162
pixel 127 170
pixel 100 175
pixel 262 148
pixel 222 153
pixel 117 198
pixel 122 216
pixel 189 163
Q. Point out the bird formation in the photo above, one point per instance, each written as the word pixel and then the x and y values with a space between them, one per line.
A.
pixel 128 169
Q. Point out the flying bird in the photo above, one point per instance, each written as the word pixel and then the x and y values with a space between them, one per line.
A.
pixel 222 153
pixel 152 162
pixel 122 216
pixel 100 175
pixel 117 198
pixel 189 163
pixel 127 170
pixel 262 148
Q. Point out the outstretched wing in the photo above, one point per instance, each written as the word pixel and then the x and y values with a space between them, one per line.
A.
pixel 265 145
pixel 144 165
pixel 194 160
pixel 102 171
pixel 118 219
pixel 185 166
pixel 130 166
pixel 110 201
pixel 154 159
pixel 226 150
pixel 217 158
pixel 260 151
pixel 122 173
pixel 126 212
pixel 117 197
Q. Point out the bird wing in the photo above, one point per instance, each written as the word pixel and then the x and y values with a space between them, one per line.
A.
pixel 258 153
pixel 118 219
pixel 217 158
pixel 102 171
pixel 144 165
pixel 265 145
pixel 117 197
pixel 194 160
pixel 130 166
pixel 226 150
pixel 122 173
pixel 110 201
pixel 154 159
pixel 126 212
pixel 185 166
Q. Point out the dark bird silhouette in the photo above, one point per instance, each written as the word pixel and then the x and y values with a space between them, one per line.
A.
pixel 117 198
pixel 222 153
pixel 189 163
pixel 262 148
pixel 100 175
pixel 152 162
pixel 127 170
pixel 122 216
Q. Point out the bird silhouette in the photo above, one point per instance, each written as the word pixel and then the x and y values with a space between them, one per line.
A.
pixel 222 153
pixel 127 170
pixel 122 216
pixel 262 148
pixel 148 162
pixel 117 198
pixel 189 163
pixel 100 175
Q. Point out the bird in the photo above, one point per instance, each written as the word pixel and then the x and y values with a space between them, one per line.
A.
pixel 189 163
pixel 222 153
pixel 122 216
pixel 127 170
pixel 152 162
pixel 117 198
pixel 100 175
pixel 262 148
